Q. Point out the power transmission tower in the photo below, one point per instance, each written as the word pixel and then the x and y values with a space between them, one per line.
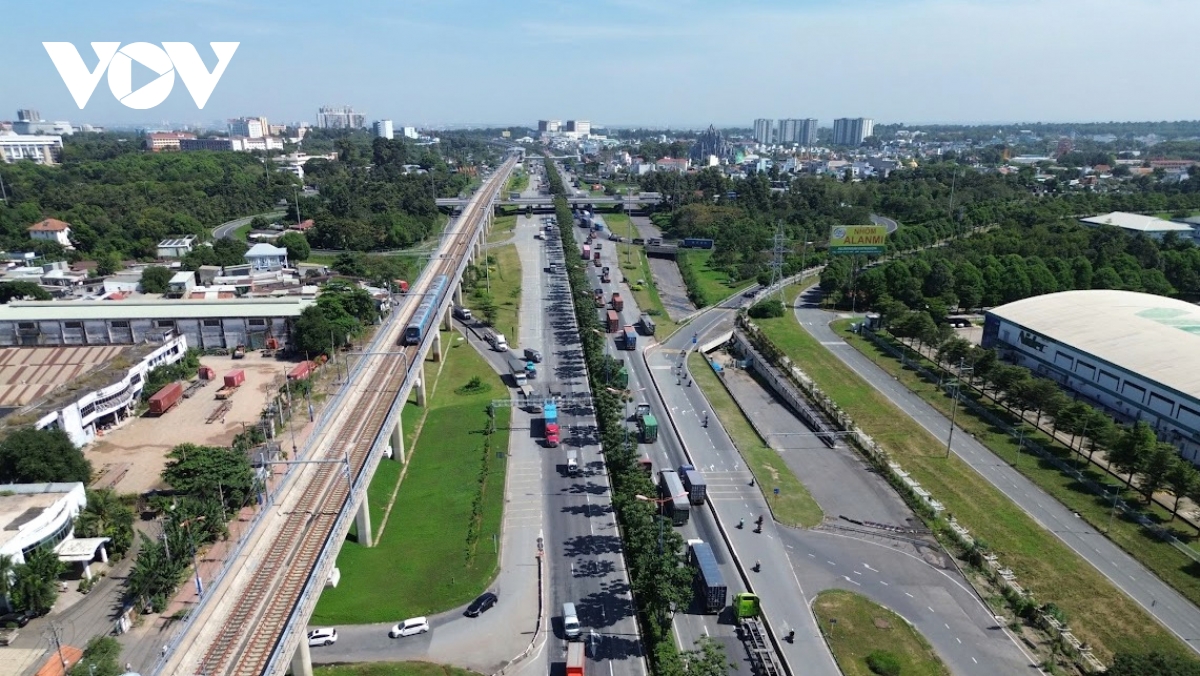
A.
pixel 778 250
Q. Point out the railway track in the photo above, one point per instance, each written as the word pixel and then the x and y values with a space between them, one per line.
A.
pixel 250 631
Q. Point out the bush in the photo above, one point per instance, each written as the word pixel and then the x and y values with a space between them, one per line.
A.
pixel 883 663
pixel 767 309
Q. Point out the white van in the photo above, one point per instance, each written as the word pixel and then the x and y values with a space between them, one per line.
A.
pixel 571 628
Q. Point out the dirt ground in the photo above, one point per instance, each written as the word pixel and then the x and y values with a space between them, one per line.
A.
pixel 136 450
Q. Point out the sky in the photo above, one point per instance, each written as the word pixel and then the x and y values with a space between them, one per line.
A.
pixel 649 63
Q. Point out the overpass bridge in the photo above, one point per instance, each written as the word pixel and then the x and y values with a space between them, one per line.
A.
pixel 629 201
pixel 251 620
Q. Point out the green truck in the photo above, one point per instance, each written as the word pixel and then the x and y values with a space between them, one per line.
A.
pixel 746 605
pixel 648 426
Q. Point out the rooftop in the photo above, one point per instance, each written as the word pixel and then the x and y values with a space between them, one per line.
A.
pixel 49 225
pixel 19 507
pixel 22 311
pixel 1154 336
pixel 263 249
pixel 1136 222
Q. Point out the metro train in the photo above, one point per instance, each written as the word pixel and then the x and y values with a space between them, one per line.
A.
pixel 426 314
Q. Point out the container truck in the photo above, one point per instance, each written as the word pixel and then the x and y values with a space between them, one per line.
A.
pixel 575 659
pixel 598 297
pixel 614 321
pixel 497 340
pixel 621 380
pixel 694 483
pixel 674 501
pixel 402 285
pixel 646 324
pixel 618 303
pixel 708 582
pixel 605 275
pixel 164 399
pixel 630 338
pixel 587 252
pixel 648 426
pixel 596 259
pixel 746 605
pixel 516 366
pixel 552 435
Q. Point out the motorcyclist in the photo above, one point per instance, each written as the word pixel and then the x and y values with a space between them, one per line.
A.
pixel 741 523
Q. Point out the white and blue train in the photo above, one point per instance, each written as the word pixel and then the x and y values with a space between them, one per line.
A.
pixel 426 314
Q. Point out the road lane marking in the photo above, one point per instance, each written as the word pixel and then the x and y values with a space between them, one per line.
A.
pixel 975 660
pixel 957 639
pixel 909 595
pixel 868 567
pixel 830 562
pixel 930 609
pixel 853 582
pixel 883 583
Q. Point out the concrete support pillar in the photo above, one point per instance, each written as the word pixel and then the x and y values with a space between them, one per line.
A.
pixel 436 351
pixel 458 293
pixel 302 660
pixel 363 521
pixel 448 318
pixel 103 554
pixel 398 439
pixel 421 387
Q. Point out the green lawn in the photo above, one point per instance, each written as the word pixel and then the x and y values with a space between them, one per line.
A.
pixel 1170 564
pixel 391 669
pixel 794 506
pixel 502 228
pixel 518 182
pixel 425 560
pixel 505 275
pixel 714 284
pixel 647 298
pixel 1098 613
pixel 863 626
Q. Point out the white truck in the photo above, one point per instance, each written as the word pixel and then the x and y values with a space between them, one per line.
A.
pixel 573 462
pixel 498 341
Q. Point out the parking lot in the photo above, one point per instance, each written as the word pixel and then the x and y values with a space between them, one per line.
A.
pixel 131 457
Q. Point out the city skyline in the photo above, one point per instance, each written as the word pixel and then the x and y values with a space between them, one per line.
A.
pixel 431 64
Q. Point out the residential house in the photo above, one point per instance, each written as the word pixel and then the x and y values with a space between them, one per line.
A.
pixel 52 230
pixel 264 256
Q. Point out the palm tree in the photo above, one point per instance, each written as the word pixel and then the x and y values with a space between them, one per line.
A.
pixel 8 571
pixel 107 516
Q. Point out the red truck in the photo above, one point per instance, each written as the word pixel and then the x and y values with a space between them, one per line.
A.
pixel 167 397
pixel 575 659
pixel 618 303
pixel 614 321
pixel 596 259
pixel 402 285
pixel 587 252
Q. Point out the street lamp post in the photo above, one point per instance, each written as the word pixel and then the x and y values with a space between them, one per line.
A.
pixel 192 541
pixel 660 502
pixel 954 406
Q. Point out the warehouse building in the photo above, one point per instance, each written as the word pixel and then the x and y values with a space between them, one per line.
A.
pixel 210 324
pixel 1130 352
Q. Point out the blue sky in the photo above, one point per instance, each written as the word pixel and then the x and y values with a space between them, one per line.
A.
pixel 633 62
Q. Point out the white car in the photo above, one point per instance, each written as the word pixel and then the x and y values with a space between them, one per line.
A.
pixel 416 625
pixel 323 636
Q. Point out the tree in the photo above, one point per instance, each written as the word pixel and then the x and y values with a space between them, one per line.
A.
pixel 36 585
pixel 155 279
pixel 1153 664
pixel 1132 449
pixel 1036 394
pixel 42 456
pixel 100 658
pixel 107 263
pixel 1158 465
pixel 1008 382
pixel 7 575
pixel 708 659
pixel 297 246
pixel 771 307
pixel 208 472
pixel 107 516
pixel 1182 480
pixel 22 290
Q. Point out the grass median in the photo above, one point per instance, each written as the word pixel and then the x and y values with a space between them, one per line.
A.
pixel 504 278
pixel 438 550
pixel 855 627
pixel 1098 612
pixel 635 267
pixel 1173 566
pixel 502 228
pixel 392 669
pixel 794 506
pixel 715 285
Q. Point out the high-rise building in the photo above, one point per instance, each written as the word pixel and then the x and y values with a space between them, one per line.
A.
pixel 28 115
pixel 250 127
pixel 549 126
pixel 850 131
pixel 762 130
pixel 410 132
pixel 581 127
pixel 340 117
pixel 383 129
pixel 799 131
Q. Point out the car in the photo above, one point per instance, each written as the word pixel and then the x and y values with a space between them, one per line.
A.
pixel 19 618
pixel 410 627
pixel 751 292
pixel 322 636
pixel 481 605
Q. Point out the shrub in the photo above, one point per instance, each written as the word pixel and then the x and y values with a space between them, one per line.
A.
pixel 883 663
pixel 767 309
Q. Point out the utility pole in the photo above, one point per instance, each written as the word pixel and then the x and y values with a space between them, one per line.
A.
pixel 954 407
pixel 56 638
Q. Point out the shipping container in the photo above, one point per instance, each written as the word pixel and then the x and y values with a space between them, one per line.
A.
pixel 629 339
pixel 575 659
pixel 618 303
pixel 587 252
pixel 648 426
pixel 674 501
pixel 708 581
pixel 596 259
pixel 207 373
pixel 550 412
pixel 235 378
pixel 614 321
pixel 302 370
pixel 694 483
pixel 164 399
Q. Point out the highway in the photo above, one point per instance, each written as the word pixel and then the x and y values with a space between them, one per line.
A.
pixel 238 627
pixel 1160 601
pixel 226 229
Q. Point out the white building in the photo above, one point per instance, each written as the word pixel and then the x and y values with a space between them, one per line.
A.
pixel 116 401
pixel 410 132
pixel 579 127
pixel 798 131
pixel 264 256
pixel 39 149
pixel 181 283
pixel 264 143
pixel 340 117
pixel 40 515
pixel 1137 223
pixel 1133 353
pixel 176 247
pixel 52 230
pixel 250 127
pixel 850 131
pixel 762 130
pixel 383 129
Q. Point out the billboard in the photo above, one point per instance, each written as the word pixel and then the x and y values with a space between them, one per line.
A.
pixel 847 240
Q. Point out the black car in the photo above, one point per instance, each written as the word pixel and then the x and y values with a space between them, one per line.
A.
pixel 481 604
pixel 20 618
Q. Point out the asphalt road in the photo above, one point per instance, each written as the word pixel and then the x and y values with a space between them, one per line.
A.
pixel 226 229
pixel 1156 598
pixel 891 224
pixel 667 279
